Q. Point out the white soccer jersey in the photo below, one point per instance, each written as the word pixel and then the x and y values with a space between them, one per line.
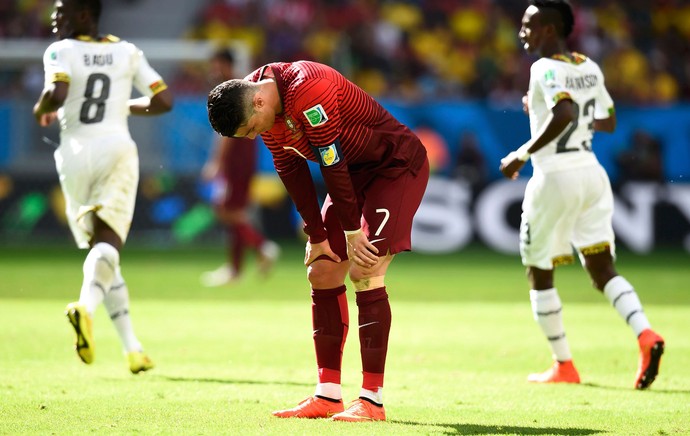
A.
pixel 581 80
pixel 97 160
pixel 100 74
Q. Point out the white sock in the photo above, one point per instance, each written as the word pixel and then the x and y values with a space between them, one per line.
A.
pixel 623 297
pixel 329 390
pixel 99 272
pixel 547 310
pixel 116 302
pixel 376 397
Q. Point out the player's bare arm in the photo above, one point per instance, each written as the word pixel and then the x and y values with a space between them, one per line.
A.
pixel 561 116
pixel 160 103
pixel 52 98
pixel 606 124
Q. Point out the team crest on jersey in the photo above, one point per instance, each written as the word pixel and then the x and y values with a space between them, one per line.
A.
pixel 53 55
pixel 316 115
pixel 290 123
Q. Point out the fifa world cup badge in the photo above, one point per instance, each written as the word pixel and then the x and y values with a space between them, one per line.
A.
pixel 316 115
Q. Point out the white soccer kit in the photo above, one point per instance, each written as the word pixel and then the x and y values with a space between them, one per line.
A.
pixel 568 201
pixel 97 160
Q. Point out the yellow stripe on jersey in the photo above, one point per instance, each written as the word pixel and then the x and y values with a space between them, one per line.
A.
pixel 561 96
pixel 577 58
pixel 105 38
pixel 60 77
pixel 158 86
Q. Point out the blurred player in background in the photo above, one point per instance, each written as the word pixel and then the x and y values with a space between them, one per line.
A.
pixel 568 201
pixel 375 170
pixel 231 166
pixel 88 84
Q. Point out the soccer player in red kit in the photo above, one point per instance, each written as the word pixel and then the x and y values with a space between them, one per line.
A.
pixel 232 166
pixel 375 170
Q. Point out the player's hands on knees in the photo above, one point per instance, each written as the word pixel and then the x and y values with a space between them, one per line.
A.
pixel 313 251
pixel 360 250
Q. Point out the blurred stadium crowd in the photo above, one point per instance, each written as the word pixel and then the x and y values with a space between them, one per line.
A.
pixel 419 49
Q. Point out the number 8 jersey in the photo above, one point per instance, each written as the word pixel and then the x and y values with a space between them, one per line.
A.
pixel 100 74
pixel 580 80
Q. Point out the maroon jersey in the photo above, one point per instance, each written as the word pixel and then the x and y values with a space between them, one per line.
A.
pixel 329 120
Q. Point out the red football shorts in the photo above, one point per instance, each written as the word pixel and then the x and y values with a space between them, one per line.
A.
pixel 388 207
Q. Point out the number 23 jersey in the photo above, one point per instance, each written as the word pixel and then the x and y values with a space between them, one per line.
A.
pixel 100 74
pixel 580 80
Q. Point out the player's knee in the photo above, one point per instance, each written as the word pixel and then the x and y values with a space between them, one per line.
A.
pixel 601 277
pixel 365 283
pixel 101 263
pixel 601 273
pixel 539 278
pixel 324 274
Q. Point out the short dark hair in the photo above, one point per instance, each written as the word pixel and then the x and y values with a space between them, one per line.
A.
pixel 229 105
pixel 557 12
pixel 93 6
pixel 223 54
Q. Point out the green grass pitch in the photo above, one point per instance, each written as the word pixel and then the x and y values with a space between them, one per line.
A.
pixel 462 343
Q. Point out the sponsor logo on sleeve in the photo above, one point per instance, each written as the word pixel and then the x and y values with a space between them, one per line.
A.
pixel 316 115
pixel 328 155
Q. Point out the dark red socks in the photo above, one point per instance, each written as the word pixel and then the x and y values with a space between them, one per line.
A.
pixel 330 320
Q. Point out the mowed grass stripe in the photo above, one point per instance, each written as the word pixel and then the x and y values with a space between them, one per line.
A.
pixel 474 274
pixel 454 368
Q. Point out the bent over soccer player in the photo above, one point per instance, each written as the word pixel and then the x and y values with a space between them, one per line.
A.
pixel 88 84
pixel 568 201
pixel 375 170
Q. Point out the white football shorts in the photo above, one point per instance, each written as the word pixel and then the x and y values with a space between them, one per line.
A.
pixel 566 209
pixel 98 177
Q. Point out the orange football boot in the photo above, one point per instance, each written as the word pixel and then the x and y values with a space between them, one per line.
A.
pixel 651 349
pixel 560 372
pixel 312 407
pixel 361 410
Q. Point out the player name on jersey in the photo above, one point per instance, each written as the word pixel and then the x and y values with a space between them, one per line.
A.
pixel 581 82
pixel 98 60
